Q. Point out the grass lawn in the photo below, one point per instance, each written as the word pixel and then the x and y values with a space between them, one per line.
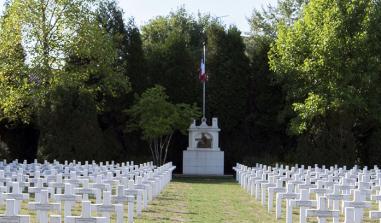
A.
pixel 205 200
pixel 214 200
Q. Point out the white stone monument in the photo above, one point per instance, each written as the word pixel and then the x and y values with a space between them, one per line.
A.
pixel 203 156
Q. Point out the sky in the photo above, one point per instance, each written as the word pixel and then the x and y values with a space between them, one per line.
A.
pixel 232 12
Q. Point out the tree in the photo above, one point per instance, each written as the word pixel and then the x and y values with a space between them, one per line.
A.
pixel 18 132
pixel 15 84
pixel 158 119
pixel 228 73
pixel 329 62
pixel 72 130
pixel 95 84
pixel 267 117
pixel 136 63
pixel 66 47
pixel 173 48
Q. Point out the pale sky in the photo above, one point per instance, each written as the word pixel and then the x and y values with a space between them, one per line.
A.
pixel 231 11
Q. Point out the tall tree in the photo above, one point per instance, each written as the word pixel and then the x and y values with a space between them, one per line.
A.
pixel 173 48
pixel 228 72
pixel 329 59
pixel 18 131
pixel 267 118
pixel 158 119
pixel 66 47
pixel 227 87
pixel 93 70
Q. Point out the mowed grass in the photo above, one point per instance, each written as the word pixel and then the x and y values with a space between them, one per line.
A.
pixel 215 200
pixel 205 200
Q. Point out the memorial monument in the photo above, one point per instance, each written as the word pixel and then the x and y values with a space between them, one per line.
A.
pixel 203 155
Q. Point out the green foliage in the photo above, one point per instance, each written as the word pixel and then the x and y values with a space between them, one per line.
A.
pixel 173 48
pixel 69 127
pixel 228 72
pixel 302 87
pixel 15 88
pixel 312 107
pixel 61 45
pixel 265 22
pixel 158 119
pixel 328 63
pixel 156 116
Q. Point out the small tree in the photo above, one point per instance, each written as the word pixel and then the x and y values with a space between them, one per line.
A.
pixel 158 119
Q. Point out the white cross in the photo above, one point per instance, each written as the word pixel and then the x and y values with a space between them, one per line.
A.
pixel 69 199
pixel 43 207
pixel 36 190
pixel 358 204
pixel 107 207
pixel 121 198
pixel 303 203
pixel 271 190
pixel 11 216
pixel 85 216
pixel 376 214
pixel 131 190
pixel 288 195
pixel 322 213
pixel 17 196
pixel 85 190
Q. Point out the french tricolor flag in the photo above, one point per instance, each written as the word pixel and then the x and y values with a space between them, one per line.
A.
pixel 202 76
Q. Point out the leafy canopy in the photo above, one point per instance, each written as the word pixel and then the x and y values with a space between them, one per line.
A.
pixel 156 116
pixel 329 60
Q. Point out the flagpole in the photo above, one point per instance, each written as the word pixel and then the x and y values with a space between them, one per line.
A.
pixel 204 88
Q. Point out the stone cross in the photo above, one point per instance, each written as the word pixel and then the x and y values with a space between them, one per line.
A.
pixel 303 203
pixel 73 178
pixel 36 190
pixel 265 186
pixel 258 184
pixel 57 186
pixel 150 186
pixel 358 204
pixel 336 197
pixel 131 190
pixel 376 214
pixel 320 190
pixel 121 198
pixel 251 178
pixel 288 195
pixel 322 212
pixel 307 184
pixel 43 207
pixel 107 208
pixel 144 189
pixel 17 196
pixel 69 199
pixel 271 190
pixel 110 179
pixel 11 216
pixel 85 215
pixel 85 190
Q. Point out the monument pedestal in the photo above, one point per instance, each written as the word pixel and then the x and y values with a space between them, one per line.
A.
pixel 203 156
pixel 203 162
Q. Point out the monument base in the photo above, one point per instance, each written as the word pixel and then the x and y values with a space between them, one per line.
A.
pixel 203 162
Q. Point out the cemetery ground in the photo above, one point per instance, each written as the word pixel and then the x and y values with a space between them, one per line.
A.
pixel 213 200
pixel 216 199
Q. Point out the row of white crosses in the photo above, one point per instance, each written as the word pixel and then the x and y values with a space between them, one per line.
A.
pixel 104 188
pixel 322 193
